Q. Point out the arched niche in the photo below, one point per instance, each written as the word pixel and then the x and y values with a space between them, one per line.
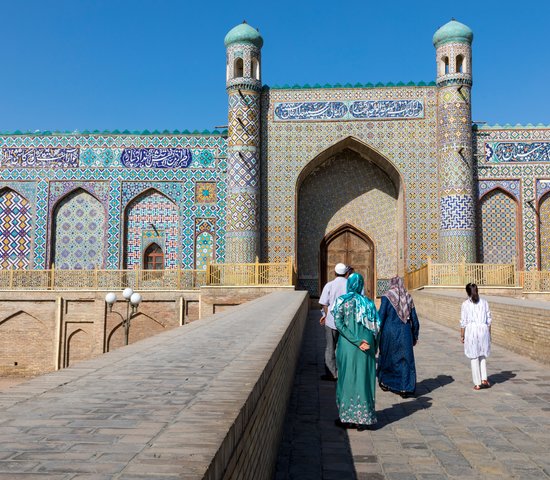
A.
pixel 149 218
pixel 15 230
pixel 498 238
pixel 350 183
pixel 79 347
pixel 78 232
pixel 544 232
pixel 21 328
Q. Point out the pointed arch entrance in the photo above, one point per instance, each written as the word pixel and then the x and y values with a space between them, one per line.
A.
pixel 348 245
pixel 351 191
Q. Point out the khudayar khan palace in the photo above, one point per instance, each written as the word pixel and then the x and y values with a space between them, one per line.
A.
pixel 380 176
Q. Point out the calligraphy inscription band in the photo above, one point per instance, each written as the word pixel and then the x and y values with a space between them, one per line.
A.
pixel 348 110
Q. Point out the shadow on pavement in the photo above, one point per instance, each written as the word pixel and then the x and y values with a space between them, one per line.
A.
pixel 501 377
pixel 430 384
pixel 401 410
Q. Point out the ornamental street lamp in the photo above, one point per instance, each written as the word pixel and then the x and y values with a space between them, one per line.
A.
pixel 132 299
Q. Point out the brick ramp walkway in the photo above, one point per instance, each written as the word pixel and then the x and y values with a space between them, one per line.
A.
pixel 447 431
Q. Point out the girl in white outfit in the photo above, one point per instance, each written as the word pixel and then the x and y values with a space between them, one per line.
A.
pixel 475 334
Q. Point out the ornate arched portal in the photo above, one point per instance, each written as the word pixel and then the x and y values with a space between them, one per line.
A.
pixel 351 246
pixel 350 190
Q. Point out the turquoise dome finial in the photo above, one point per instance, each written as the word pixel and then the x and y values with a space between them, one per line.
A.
pixel 244 33
pixel 453 31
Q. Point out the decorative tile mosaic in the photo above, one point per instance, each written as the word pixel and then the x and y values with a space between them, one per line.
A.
pixel 152 211
pixel 15 230
pixel 544 235
pixel 497 152
pixel 101 168
pixel 348 110
pixel 205 192
pixel 531 177
pixel 498 228
pixel 510 186
pixel 156 157
pixel 79 223
pixel 39 157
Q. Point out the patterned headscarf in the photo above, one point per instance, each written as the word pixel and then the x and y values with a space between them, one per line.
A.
pixel 400 298
pixel 365 310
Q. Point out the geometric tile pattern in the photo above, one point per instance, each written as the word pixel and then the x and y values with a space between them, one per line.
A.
pixel 510 186
pixel 242 211
pixel 15 230
pixel 102 174
pixel 205 192
pixel 457 212
pixel 205 242
pixel 544 212
pixel 78 240
pixel 152 212
pixel 498 227
pixel 288 147
pixel 533 181
pixel 347 189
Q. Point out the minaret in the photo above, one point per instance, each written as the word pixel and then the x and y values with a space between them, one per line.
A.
pixel 453 44
pixel 243 84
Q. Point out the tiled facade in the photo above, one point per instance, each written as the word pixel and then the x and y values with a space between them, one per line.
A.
pixel 399 162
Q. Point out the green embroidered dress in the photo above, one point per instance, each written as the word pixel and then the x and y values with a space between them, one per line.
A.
pixel 356 319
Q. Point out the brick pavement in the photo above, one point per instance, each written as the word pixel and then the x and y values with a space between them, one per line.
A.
pixel 447 431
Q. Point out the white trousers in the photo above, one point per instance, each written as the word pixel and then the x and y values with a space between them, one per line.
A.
pixel 479 370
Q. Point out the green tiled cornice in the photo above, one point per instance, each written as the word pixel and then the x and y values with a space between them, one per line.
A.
pixel 349 85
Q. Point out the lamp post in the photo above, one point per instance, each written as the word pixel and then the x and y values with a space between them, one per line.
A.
pixel 132 299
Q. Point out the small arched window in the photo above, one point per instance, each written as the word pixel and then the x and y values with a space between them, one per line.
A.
pixel 153 258
pixel 445 65
pixel 459 64
pixel 238 70
pixel 255 66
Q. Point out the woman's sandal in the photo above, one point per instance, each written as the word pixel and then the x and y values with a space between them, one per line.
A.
pixel 477 387
pixel 485 384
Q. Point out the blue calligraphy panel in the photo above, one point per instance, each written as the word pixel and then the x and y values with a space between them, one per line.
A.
pixel 499 152
pixel 310 111
pixel 378 109
pixel 349 110
pixel 156 157
pixel 40 157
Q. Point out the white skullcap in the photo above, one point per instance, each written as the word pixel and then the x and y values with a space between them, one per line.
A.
pixel 340 269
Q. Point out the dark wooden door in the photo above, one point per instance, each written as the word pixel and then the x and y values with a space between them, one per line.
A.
pixel 348 245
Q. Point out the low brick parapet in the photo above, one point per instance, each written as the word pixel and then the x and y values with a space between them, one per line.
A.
pixel 206 400
pixel 520 325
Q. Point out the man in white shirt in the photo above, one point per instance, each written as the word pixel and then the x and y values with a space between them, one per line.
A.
pixel 331 291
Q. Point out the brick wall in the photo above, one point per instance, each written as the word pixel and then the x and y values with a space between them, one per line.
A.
pixel 522 326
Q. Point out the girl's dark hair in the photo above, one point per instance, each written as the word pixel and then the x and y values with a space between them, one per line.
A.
pixel 471 290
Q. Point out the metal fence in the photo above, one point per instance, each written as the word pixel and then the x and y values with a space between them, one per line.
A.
pixel 243 274
pixel 483 274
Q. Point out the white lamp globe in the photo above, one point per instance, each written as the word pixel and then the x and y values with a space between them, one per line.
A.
pixel 127 293
pixel 110 298
pixel 135 299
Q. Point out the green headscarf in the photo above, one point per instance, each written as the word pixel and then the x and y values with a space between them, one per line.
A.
pixel 365 310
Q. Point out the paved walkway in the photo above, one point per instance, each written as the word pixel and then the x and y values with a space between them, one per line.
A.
pixel 447 431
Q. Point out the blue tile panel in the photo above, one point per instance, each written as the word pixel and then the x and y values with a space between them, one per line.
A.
pixel 102 174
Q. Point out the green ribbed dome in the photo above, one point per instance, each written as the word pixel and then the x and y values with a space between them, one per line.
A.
pixel 453 32
pixel 244 33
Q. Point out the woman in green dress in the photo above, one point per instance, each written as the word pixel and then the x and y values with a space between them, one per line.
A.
pixel 357 321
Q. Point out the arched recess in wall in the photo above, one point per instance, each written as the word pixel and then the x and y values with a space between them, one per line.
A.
pixel 149 218
pixel 15 230
pixel 26 344
pixel 141 326
pixel 544 232
pixel 350 183
pixel 78 232
pixel 238 68
pixel 79 347
pixel 498 226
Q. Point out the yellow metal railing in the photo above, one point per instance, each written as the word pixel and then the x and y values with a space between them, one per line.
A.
pixel 249 274
pixel 459 274
pixel 245 274
pixel 535 281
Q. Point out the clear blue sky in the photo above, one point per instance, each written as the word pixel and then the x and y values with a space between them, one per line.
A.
pixel 160 64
